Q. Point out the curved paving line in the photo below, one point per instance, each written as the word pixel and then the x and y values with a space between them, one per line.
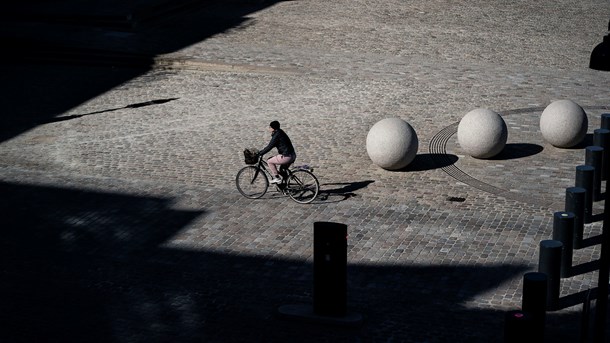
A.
pixel 438 149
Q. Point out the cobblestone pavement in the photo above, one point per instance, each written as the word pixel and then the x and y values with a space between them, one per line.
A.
pixel 124 223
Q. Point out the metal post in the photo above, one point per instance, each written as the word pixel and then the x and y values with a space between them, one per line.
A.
pixel 534 301
pixel 605 121
pixel 601 137
pixel 563 231
pixel 575 203
pixel 584 179
pixel 330 269
pixel 549 263
pixel 601 305
pixel 594 158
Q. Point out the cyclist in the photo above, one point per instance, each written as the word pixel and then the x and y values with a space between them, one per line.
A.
pixel 281 141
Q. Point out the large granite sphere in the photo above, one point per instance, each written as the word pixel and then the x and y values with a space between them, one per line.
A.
pixel 392 143
pixel 563 123
pixel 482 133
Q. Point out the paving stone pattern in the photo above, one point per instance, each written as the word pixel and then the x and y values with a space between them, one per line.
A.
pixel 125 225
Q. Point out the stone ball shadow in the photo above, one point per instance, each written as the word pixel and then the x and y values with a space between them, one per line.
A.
pixel 514 151
pixel 423 162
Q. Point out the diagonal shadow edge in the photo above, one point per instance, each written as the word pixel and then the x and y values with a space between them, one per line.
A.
pixel 90 64
pixel 139 286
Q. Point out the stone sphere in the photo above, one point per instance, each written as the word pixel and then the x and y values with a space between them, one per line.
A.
pixel 392 143
pixel 563 123
pixel 482 133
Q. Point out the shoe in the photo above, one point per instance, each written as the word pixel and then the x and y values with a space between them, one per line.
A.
pixel 276 179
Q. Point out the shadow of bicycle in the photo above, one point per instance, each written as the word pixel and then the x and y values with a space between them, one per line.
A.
pixel 335 192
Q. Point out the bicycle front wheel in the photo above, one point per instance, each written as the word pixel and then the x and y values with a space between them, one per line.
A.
pixel 251 182
pixel 303 187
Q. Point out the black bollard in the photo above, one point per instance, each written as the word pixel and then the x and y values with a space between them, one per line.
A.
pixel 605 121
pixel 563 231
pixel 584 179
pixel 329 269
pixel 549 263
pixel 517 326
pixel 575 203
pixel 534 302
pixel 601 137
pixel 601 304
pixel 594 158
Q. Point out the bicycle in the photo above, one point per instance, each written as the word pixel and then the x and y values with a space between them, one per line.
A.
pixel 299 183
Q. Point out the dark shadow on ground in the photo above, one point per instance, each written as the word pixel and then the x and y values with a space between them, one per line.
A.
pixel 60 54
pixel 518 150
pixel 587 141
pixel 333 192
pixel 423 162
pixel 86 266
pixel 41 220
pixel 35 94
pixel 64 253
pixel 137 105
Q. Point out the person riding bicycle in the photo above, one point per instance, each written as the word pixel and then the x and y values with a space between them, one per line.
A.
pixel 281 141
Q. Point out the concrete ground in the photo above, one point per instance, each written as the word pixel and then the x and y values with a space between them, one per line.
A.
pixel 122 136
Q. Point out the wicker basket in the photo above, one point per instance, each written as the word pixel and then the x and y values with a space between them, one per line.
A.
pixel 251 156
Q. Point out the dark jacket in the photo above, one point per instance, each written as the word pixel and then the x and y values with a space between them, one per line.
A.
pixel 279 140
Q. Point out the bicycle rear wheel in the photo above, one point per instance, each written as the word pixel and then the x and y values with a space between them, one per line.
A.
pixel 303 187
pixel 251 182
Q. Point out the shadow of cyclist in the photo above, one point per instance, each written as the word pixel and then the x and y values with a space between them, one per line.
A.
pixel 342 190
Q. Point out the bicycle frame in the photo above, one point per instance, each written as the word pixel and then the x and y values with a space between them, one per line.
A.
pixel 264 166
pixel 291 185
